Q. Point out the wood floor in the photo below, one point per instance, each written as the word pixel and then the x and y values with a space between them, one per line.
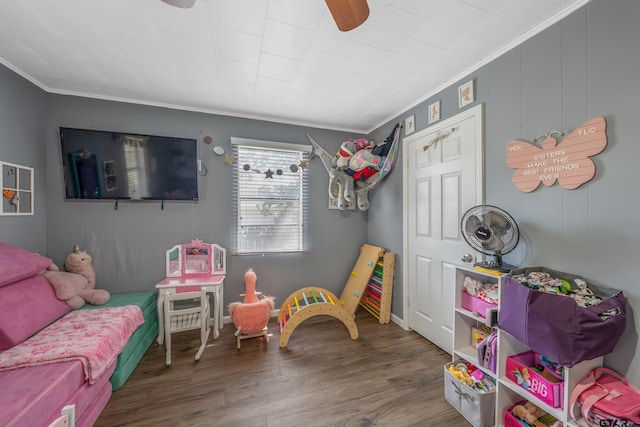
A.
pixel 387 377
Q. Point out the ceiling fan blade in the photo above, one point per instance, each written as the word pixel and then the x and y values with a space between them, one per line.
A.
pixel 184 4
pixel 348 14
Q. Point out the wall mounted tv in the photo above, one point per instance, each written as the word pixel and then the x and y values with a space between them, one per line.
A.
pixel 101 165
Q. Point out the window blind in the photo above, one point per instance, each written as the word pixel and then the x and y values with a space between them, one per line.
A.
pixel 270 197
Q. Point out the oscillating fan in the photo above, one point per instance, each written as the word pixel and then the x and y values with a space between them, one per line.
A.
pixel 491 231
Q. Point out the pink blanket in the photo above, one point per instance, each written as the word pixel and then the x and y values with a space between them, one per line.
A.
pixel 95 337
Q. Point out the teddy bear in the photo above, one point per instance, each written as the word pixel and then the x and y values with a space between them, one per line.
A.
pixel 76 285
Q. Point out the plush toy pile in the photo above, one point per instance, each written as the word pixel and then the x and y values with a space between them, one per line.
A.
pixel 470 375
pixel 543 282
pixel 76 285
pixel 355 166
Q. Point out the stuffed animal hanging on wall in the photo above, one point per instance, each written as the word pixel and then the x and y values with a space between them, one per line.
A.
pixel 357 167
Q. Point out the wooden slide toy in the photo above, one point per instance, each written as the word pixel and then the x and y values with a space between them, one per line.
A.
pixel 313 301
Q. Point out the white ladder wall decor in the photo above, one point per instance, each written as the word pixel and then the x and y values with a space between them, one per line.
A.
pixel 16 182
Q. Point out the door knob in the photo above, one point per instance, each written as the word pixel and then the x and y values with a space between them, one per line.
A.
pixel 467 258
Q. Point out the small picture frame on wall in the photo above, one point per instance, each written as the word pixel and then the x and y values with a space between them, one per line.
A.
pixel 434 112
pixel 410 125
pixel 465 94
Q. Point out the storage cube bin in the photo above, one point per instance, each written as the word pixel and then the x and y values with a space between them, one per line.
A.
pixel 477 408
pixel 522 370
pixel 475 304
pixel 555 325
pixel 511 420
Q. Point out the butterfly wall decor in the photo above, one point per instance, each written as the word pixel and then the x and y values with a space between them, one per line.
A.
pixel 567 162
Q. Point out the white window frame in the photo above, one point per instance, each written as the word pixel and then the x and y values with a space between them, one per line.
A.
pixel 299 229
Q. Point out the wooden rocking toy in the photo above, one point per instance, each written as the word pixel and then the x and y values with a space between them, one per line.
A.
pixel 313 301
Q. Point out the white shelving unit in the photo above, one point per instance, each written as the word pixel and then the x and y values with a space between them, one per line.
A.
pixel 507 392
pixel 16 180
pixel 463 322
pixel 464 319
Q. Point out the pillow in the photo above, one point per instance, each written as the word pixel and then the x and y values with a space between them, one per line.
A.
pixel 17 264
pixel 26 307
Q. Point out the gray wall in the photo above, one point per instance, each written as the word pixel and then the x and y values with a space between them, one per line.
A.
pixel 583 67
pixel 23 111
pixel 128 244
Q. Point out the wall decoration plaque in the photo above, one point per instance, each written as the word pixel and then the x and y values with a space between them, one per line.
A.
pixel 567 162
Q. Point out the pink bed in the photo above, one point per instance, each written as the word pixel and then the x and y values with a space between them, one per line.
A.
pixel 35 396
pixel 41 368
pixel 94 337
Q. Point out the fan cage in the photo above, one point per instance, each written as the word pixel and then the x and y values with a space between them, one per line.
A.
pixel 510 239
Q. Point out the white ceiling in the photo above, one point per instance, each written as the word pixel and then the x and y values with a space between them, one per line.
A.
pixel 277 60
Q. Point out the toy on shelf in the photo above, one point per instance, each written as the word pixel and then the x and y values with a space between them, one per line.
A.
pixel 313 301
pixel 471 392
pixel 544 282
pixel 525 413
pixel 473 377
pixel 567 329
pixel 251 316
pixel 377 296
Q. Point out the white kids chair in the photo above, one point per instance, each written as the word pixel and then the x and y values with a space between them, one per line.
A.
pixel 183 319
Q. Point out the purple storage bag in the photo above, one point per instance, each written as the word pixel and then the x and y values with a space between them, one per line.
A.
pixel 555 326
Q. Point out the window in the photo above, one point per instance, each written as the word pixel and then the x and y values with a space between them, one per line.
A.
pixel 270 200
pixel 135 162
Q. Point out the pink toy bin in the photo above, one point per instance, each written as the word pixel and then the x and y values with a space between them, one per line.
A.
pixel 522 370
pixel 511 420
pixel 475 304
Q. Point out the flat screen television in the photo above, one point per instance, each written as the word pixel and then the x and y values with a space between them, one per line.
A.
pixel 102 165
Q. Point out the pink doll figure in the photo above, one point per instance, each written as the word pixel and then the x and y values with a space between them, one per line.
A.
pixel 250 279
pixel 252 315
